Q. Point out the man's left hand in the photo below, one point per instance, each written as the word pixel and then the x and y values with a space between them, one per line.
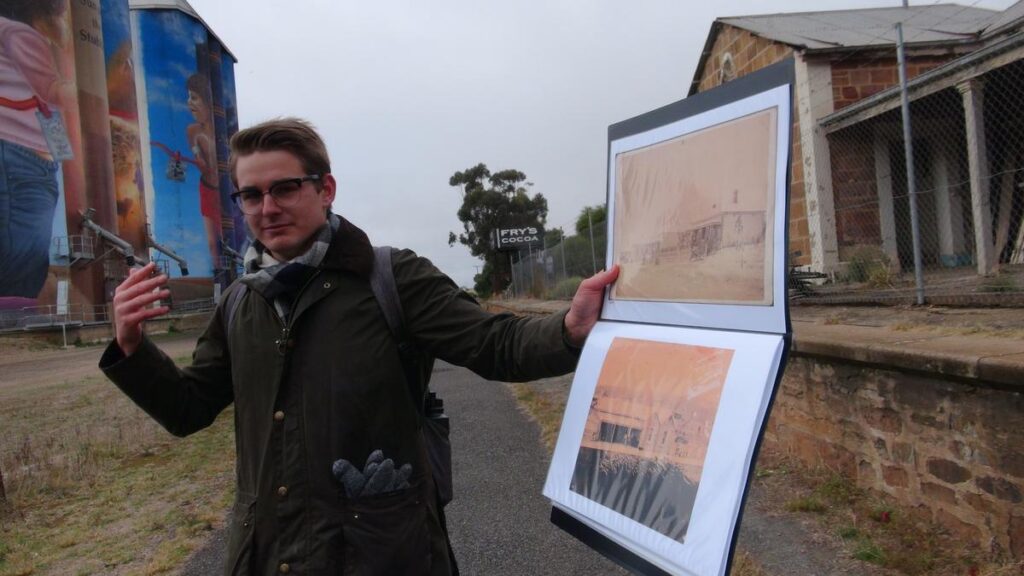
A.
pixel 586 306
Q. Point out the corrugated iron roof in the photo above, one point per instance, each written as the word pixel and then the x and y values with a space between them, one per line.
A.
pixel 869 27
pixel 1009 16
pixel 180 5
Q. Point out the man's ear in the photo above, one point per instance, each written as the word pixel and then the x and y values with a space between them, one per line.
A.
pixel 329 189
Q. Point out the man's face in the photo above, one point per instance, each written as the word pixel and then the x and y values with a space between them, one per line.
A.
pixel 287 232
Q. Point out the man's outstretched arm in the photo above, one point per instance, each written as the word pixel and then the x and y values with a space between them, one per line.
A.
pixel 586 306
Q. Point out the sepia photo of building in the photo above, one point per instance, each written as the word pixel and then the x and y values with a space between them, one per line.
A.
pixel 693 215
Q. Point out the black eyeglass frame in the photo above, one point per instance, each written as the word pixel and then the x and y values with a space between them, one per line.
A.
pixel 236 196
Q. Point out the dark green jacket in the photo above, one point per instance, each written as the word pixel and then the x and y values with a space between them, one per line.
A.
pixel 329 385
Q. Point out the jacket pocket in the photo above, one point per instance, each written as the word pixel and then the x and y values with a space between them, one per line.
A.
pixel 387 534
pixel 240 537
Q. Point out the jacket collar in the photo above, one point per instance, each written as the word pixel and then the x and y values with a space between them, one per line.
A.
pixel 350 251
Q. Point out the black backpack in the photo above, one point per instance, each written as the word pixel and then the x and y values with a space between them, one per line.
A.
pixel 434 421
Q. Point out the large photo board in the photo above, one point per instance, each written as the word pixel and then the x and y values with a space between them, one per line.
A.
pixel 674 384
pixel 698 214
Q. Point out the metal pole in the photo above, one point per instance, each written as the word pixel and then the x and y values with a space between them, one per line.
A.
pixel 533 281
pixel 908 150
pixel 562 245
pixel 512 273
pixel 593 254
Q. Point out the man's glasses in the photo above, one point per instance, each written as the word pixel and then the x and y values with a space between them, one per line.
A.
pixel 284 192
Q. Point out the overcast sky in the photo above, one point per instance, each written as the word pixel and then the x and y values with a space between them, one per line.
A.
pixel 407 93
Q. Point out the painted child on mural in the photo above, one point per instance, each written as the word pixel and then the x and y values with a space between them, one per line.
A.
pixel 202 141
pixel 32 32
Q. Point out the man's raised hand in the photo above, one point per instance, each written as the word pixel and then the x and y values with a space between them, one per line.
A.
pixel 586 306
pixel 132 299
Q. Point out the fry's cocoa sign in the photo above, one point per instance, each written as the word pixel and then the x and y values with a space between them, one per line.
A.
pixel 517 238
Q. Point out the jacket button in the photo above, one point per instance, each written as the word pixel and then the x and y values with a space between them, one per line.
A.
pixel 282 491
pixel 279 415
pixel 284 568
pixel 327 285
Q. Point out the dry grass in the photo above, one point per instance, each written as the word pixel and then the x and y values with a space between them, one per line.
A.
pixel 873 528
pixel 744 565
pixel 94 486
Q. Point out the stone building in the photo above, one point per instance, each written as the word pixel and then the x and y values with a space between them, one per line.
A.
pixel 847 176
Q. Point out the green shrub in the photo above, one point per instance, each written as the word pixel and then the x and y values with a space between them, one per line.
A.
pixel 565 289
pixel 869 264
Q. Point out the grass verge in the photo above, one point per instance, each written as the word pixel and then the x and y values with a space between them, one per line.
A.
pixel 94 486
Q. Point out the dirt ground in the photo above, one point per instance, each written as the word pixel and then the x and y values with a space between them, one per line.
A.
pixel 1008 322
pixel 28 363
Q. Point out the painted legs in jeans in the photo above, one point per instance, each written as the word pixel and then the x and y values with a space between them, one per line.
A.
pixel 28 197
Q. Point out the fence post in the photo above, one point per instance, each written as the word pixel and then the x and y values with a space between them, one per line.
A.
pixel 908 148
pixel 3 493
pixel 512 273
pixel 562 246
pixel 593 253
pixel 533 281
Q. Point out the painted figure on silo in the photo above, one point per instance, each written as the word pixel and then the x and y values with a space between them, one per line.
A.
pixel 32 33
pixel 202 140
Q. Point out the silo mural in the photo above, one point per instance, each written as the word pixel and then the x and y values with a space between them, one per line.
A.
pixel 125 138
pixel 113 131
pixel 189 212
pixel 40 166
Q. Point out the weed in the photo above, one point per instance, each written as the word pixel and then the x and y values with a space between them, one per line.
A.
pixel 806 504
pixel 881 514
pixel 837 489
pixel 869 264
pixel 744 565
pixel 848 533
pixel 999 283
pixel 868 551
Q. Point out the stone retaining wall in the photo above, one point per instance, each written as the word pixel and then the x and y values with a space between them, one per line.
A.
pixel 951 451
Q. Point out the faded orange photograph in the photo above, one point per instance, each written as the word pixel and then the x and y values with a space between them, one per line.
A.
pixel 693 215
pixel 646 435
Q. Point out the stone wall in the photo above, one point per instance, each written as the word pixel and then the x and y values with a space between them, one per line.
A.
pixel 951 451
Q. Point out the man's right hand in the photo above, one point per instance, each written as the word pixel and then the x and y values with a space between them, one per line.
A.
pixel 131 306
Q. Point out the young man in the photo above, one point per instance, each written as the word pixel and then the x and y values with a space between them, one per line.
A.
pixel 315 373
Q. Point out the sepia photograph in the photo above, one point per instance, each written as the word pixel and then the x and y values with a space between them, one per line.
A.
pixel 647 432
pixel 694 215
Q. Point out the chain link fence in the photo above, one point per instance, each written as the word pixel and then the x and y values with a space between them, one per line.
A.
pixel 966 192
pixel 555 271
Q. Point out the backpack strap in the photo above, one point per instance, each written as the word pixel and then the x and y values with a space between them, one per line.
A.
pixel 382 281
pixel 385 290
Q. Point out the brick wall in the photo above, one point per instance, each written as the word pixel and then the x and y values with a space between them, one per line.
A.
pixel 951 452
pixel 854 79
pixel 750 53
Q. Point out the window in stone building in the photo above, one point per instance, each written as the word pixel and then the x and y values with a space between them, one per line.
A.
pixel 726 69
